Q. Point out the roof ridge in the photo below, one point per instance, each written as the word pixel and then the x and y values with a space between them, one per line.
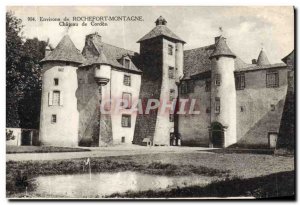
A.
pixel 119 47
pixel 200 47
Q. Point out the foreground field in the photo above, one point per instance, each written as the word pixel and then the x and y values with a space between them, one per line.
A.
pixel 257 175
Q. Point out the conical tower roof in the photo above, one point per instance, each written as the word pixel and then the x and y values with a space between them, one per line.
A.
pixel 262 58
pixel 65 51
pixel 222 49
pixel 160 29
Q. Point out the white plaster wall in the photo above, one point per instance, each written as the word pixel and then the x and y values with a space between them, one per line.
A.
pixel 163 125
pixel 117 89
pixel 65 131
pixel 227 94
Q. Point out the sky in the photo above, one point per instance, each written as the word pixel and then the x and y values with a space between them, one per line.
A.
pixel 247 29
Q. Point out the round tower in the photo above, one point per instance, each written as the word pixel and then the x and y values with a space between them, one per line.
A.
pixel 59 115
pixel 223 96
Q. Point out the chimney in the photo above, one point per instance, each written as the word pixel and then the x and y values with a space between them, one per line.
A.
pixel 95 37
pixel 253 61
pixel 218 37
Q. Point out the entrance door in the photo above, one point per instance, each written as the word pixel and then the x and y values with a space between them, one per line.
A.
pixel 273 140
pixel 172 139
pixel 217 135
pixel 26 137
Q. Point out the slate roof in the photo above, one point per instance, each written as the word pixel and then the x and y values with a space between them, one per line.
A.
pixel 196 61
pixel 65 51
pixel 291 55
pixel 262 58
pixel 112 55
pixel 161 30
pixel 222 49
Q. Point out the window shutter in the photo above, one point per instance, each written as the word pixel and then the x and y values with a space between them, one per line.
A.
pixel 61 100
pixel 50 98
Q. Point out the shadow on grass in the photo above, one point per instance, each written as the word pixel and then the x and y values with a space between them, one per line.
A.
pixel 276 185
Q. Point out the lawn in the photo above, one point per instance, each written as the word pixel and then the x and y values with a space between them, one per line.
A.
pixel 254 173
pixel 41 149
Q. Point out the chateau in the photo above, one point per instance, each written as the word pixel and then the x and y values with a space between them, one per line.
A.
pixel 240 104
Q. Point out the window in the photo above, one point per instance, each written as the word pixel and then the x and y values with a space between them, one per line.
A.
pixel 217 105
pixel 126 121
pixel 127 63
pixel 172 94
pixel 240 81
pixel 55 81
pixel 272 107
pixel 184 88
pixel 56 98
pixel 218 80
pixel 53 119
pixel 123 139
pixel 171 72
pixel 127 80
pixel 60 69
pixel 207 86
pixel 242 108
pixel 127 98
pixel 272 79
pixel 171 117
pixel 170 49
pixel 190 86
pixel 208 110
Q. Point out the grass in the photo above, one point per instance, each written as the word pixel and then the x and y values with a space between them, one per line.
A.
pixel 41 149
pixel 231 168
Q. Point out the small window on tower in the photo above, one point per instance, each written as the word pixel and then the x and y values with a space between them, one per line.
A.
pixel 172 94
pixel 123 140
pixel 55 81
pixel 127 98
pixel 272 107
pixel 56 98
pixel 217 105
pixel 53 119
pixel 126 121
pixel 242 108
pixel 171 72
pixel 170 49
pixel 218 80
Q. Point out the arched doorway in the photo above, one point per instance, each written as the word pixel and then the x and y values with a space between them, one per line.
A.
pixel 217 135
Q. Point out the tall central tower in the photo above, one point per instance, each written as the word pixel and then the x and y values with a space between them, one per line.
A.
pixel 161 53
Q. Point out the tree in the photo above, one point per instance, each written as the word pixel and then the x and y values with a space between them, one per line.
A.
pixel 23 79
pixel 13 56
pixel 30 103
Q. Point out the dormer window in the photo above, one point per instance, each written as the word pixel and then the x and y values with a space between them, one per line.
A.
pixel 127 63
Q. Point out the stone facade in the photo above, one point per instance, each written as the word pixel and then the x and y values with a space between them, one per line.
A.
pixel 237 106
